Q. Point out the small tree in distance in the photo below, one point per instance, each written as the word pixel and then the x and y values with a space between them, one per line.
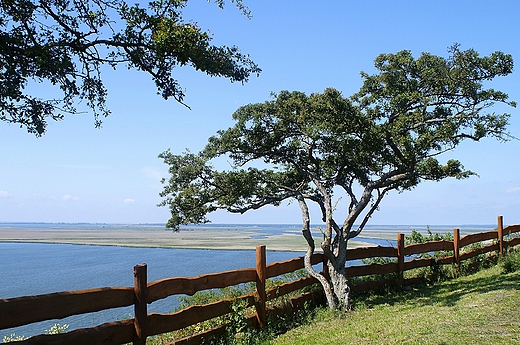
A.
pixel 386 137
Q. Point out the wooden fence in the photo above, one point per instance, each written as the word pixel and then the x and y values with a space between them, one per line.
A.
pixel 20 311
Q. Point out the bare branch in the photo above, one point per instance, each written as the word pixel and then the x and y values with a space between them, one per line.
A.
pixel 373 208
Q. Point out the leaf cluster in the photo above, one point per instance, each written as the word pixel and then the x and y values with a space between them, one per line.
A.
pixel 387 136
pixel 195 189
pixel 416 237
pixel 511 261
pixel 66 43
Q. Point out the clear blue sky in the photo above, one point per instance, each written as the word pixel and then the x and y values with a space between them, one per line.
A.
pixel 77 173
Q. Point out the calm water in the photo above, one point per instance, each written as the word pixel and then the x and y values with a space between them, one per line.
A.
pixel 32 269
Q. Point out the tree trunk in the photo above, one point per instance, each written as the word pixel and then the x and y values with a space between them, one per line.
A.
pixel 338 292
pixel 332 301
pixel 337 272
pixel 340 286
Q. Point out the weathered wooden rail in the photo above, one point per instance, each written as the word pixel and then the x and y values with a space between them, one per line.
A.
pixel 20 311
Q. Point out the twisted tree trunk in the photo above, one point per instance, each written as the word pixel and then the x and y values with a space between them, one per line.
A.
pixel 337 291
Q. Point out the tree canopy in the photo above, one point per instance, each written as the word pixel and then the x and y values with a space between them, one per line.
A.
pixel 388 136
pixel 66 42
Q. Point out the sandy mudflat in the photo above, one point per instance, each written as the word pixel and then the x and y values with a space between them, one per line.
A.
pixel 161 238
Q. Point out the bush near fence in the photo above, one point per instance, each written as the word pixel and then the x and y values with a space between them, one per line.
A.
pixel 25 310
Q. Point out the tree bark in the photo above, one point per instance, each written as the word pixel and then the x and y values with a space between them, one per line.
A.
pixel 340 286
pixel 306 231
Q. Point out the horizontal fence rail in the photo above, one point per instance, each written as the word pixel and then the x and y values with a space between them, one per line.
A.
pixel 371 252
pixel 51 306
pixel 427 247
pixel 189 286
pixel 25 310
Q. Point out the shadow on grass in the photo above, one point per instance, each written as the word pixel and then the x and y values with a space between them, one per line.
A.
pixel 450 292
pixel 447 293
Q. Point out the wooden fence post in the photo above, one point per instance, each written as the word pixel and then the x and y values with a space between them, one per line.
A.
pixel 500 235
pixel 140 305
pixel 456 247
pixel 260 285
pixel 400 258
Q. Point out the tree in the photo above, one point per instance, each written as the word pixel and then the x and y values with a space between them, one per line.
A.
pixel 386 137
pixel 66 42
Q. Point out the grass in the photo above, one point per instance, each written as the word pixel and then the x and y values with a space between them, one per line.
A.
pixel 483 308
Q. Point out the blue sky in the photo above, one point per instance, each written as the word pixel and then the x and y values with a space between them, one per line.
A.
pixel 77 173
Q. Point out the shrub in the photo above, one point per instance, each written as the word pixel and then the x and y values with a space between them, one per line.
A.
pixel 436 272
pixel 439 272
pixel 511 261
pixel 238 329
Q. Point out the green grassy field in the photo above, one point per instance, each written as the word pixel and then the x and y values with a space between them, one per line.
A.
pixel 483 308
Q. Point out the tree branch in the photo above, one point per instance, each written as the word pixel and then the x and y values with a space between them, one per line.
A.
pixel 373 208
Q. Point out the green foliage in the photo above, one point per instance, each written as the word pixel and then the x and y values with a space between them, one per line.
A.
pixel 511 261
pixel 376 261
pixel 431 274
pixel 436 272
pixel 283 323
pixel 238 330
pixel 417 237
pixel 208 296
pixel 66 43
pixel 387 137
pixel 439 272
pixel 478 262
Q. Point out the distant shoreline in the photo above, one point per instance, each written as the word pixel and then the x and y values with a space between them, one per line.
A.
pixel 158 238
pixel 213 237
pixel 186 239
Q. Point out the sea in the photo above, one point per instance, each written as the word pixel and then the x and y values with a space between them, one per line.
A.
pixel 34 268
